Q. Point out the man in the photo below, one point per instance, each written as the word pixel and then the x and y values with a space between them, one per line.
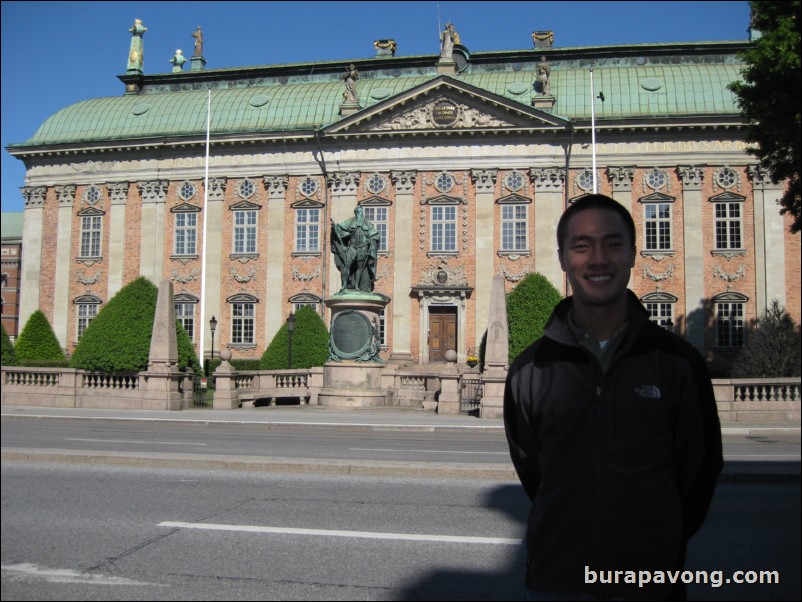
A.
pixel 612 427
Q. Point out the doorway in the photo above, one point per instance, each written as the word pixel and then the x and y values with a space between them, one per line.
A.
pixel 442 332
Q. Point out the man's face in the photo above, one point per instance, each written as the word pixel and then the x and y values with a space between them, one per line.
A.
pixel 597 256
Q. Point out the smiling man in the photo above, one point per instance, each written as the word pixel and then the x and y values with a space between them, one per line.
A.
pixel 612 427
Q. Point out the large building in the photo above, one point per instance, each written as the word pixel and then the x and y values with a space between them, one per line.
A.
pixel 12 261
pixel 464 161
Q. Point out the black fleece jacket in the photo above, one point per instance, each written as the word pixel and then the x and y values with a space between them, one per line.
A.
pixel 620 466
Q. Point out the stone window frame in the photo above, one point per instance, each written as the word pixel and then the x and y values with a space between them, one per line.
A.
pixel 85 303
pixel 371 205
pixel 91 236
pixel 661 300
pixel 183 210
pixel 186 300
pixel 514 200
pixel 308 186
pixel 307 227
pixel 184 193
pixel 658 198
pixel 730 200
pixel 243 326
pixel 243 208
pixel 734 336
pixel 378 178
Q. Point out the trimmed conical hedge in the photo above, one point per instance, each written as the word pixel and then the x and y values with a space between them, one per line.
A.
pixel 187 358
pixel 8 358
pixel 529 306
pixel 310 343
pixel 37 342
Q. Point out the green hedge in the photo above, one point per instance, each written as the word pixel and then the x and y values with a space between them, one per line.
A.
pixel 118 339
pixel 772 347
pixel 8 357
pixel 529 306
pixel 310 343
pixel 37 342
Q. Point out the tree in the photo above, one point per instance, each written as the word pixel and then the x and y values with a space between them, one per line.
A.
pixel 8 359
pixel 37 342
pixel 769 97
pixel 310 343
pixel 772 348
pixel 529 306
pixel 187 358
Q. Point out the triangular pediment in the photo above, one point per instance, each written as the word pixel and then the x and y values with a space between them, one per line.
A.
pixel 443 105
pixel 657 197
pixel 90 212
pixel 513 199
pixel 185 208
pixel 727 196
pixel 244 205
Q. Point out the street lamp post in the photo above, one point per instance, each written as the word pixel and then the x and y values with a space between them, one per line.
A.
pixel 290 330
pixel 213 327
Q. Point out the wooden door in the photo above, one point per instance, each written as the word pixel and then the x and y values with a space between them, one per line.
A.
pixel 442 332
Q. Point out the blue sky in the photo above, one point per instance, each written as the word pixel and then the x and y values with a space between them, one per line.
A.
pixel 58 53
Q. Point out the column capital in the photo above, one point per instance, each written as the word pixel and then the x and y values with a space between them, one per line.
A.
pixel 118 192
pixel 153 191
pixel 66 195
pixel 34 196
pixel 217 189
pixel 548 179
pixel 404 180
pixel 691 176
pixel 621 178
pixel 344 183
pixel 761 178
pixel 276 186
pixel 484 179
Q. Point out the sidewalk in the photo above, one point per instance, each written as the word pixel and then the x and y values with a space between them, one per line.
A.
pixel 367 419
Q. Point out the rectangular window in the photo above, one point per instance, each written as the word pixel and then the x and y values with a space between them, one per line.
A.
pixel 661 313
pixel 245 231
pixel 444 228
pixel 382 328
pixel 378 217
pixel 242 324
pixel 658 226
pixel 729 324
pixel 513 228
pixel 186 228
pixel 728 226
pixel 307 223
pixel 86 313
pixel 185 313
pixel 90 235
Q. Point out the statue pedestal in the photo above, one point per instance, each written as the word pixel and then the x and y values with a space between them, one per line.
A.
pixel 352 376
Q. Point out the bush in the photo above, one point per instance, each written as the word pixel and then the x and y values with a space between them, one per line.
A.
pixel 187 358
pixel 118 339
pixel 310 343
pixel 772 348
pixel 529 307
pixel 8 358
pixel 37 342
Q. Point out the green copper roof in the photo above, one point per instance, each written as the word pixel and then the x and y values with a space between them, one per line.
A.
pixel 631 91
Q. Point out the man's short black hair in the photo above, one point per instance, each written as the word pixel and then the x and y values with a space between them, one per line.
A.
pixel 594 201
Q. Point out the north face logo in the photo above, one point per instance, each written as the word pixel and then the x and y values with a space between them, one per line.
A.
pixel 648 391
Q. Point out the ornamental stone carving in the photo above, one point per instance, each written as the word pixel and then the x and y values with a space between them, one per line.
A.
pixel 118 192
pixel 34 196
pixel 548 179
pixel 176 277
pixel 404 181
pixel 621 178
pixel 276 186
pixel 691 176
pixel 344 183
pixel 443 275
pixel 510 277
pixel 647 273
pixel 443 113
pixel 154 191
pixel 217 189
pixel 89 280
pixel 301 277
pixel 66 195
pixel 761 177
pixel 739 273
pixel 484 179
pixel 243 279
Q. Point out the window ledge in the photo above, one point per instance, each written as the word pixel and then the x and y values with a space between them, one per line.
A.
pixel 184 258
pixel 514 254
pixel 728 253
pixel 241 346
pixel 442 254
pixel 306 254
pixel 89 261
pixel 244 257
pixel 658 254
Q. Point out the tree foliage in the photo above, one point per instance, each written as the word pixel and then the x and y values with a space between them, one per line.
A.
pixel 37 342
pixel 772 348
pixel 187 358
pixel 310 343
pixel 769 96
pixel 529 306
pixel 8 357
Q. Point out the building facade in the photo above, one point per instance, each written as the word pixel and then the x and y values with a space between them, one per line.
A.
pixel 12 261
pixel 463 161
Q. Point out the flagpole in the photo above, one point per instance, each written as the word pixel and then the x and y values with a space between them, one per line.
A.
pixel 202 326
pixel 593 131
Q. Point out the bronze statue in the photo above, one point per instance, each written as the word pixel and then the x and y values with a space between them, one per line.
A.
pixel 355 244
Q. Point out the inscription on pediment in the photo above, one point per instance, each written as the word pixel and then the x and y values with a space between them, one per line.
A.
pixel 443 113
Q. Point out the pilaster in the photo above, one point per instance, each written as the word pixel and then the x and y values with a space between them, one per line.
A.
pixel 485 241
pixel 769 239
pixel 621 180
pixel 65 195
pixel 118 196
pixel 404 182
pixel 154 195
pixel 276 187
pixel 691 178
pixel 215 200
pixel 549 205
pixel 32 235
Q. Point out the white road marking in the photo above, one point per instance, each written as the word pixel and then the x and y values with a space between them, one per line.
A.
pixel 32 571
pixel 142 442
pixel 351 534
pixel 427 451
